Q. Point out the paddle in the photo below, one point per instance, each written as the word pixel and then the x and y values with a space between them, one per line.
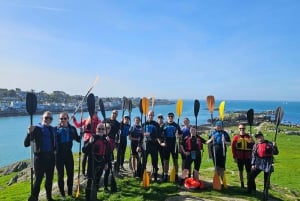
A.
pixel 124 105
pixel 179 106
pixel 87 93
pixel 221 112
pixel 222 115
pixel 129 109
pixel 250 116
pixel 102 109
pixel 141 110
pixel 31 104
pixel 210 100
pixel 196 110
pixel 139 165
pixel 152 99
pixel 79 160
pixel 113 183
pixel 278 117
pixel 145 106
pixel 91 110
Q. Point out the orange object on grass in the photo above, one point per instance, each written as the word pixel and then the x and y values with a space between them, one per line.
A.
pixel 191 183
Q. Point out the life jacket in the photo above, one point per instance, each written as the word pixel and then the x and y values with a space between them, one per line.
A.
pixel 149 128
pixel 47 140
pixel 264 149
pixel 185 132
pixel 63 139
pixel 194 145
pixel 243 143
pixel 124 130
pixel 99 146
pixel 137 131
pixel 63 135
pixel 170 130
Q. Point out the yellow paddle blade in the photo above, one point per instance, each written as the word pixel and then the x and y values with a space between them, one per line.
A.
pixel 225 180
pixel 222 110
pixel 77 193
pixel 210 100
pixel 145 105
pixel 179 107
pixel 216 182
pixel 172 175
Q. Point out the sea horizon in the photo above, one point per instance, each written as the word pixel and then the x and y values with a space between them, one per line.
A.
pixel 14 128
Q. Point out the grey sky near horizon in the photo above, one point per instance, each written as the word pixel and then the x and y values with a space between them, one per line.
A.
pixel 233 50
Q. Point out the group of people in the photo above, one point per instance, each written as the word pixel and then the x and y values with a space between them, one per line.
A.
pixel 254 157
pixel 52 147
pixel 159 139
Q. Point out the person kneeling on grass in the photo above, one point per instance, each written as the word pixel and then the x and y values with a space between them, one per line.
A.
pixel 192 148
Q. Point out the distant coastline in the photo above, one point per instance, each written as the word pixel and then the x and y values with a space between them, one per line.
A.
pixel 14 112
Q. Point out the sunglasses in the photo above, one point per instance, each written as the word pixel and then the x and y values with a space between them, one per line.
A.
pixel 160 117
pixel 242 128
pixel 48 118
pixel 64 118
pixel 171 116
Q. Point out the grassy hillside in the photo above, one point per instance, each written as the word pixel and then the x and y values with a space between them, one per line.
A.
pixel 285 183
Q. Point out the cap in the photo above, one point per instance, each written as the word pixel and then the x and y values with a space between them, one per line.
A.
pixel 171 114
pixel 160 116
pixel 219 123
pixel 126 117
pixel 258 134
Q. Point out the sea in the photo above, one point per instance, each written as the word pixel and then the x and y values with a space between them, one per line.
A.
pixel 13 129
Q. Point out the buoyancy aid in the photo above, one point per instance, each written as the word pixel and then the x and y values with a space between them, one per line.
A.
pixel 63 139
pixel 194 144
pixel 100 145
pixel 170 130
pixel 264 149
pixel 46 143
pixel 243 143
pixel 137 131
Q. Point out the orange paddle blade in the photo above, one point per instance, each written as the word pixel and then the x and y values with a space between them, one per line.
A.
pixel 145 105
pixel 146 180
pixel 210 100
pixel 216 182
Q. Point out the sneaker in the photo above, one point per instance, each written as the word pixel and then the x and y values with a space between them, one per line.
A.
pixel 32 198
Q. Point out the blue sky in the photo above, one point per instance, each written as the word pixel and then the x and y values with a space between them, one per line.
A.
pixel 242 50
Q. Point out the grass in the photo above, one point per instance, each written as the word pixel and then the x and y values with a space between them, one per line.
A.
pixel 285 183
